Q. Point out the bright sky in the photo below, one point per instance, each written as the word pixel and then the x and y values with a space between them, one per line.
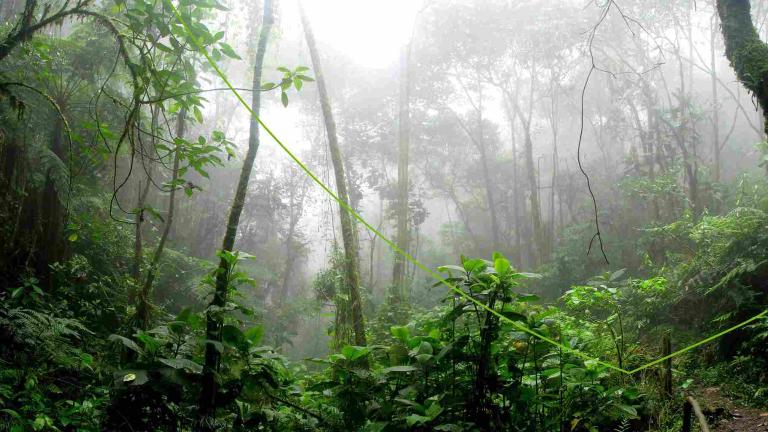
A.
pixel 369 31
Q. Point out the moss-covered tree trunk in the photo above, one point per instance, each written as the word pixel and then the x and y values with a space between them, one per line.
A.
pixel 347 228
pixel 745 50
pixel 207 403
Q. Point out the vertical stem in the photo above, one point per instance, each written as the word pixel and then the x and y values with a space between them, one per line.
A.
pixel 207 404
pixel 715 102
pixel 143 307
pixel 398 271
pixel 347 228
pixel 666 349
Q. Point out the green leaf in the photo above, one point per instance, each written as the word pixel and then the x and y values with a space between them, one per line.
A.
pixel 128 343
pixel 446 268
pixel 434 410
pixel 474 265
pixel 628 409
pixel 228 51
pixel 529 275
pixel 415 419
pixel 182 363
pixel 502 266
pixel 284 98
pixel 72 237
pixel 233 336
pixel 404 368
pixel 527 298
pixel 254 334
pixel 617 274
pixel 425 348
pixel 353 353
pixel 401 333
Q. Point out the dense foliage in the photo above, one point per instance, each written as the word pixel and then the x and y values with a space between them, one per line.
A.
pixel 551 303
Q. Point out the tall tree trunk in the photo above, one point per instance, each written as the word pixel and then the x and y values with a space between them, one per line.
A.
pixel 403 240
pixel 745 50
pixel 296 204
pixel 715 102
pixel 347 228
pixel 533 184
pixel 495 232
pixel 144 306
pixel 139 219
pixel 52 210
pixel 553 186
pixel 138 242
pixel 518 253
pixel 686 137
pixel 207 403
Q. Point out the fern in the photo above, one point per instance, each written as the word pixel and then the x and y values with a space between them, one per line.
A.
pixel 51 166
pixel 52 337
pixel 623 427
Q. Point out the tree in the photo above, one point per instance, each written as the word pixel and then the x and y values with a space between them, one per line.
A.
pixel 745 50
pixel 29 24
pixel 143 308
pixel 399 267
pixel 207 403
pixel 349 237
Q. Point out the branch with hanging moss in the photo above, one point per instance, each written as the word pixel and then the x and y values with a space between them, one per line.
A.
pixel 25 28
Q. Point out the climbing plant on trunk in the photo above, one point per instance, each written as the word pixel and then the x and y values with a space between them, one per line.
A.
pixel 349 236
pixel 207 401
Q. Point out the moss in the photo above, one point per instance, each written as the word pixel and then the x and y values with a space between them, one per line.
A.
pixel 746 52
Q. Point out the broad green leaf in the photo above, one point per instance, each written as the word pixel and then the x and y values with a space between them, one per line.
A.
pixel 404 368
pixel 182 363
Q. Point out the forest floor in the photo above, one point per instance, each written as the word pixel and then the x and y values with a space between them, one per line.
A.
pixel 726 415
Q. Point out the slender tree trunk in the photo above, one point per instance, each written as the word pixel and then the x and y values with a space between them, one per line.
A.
pixel 553 189
pixel 347 227
pixel 715 102
pixel 518 254
pixel 296 209
pixel 137 240
pixel 535 203
pixel 207 403
pixel 686 138
pixel 495 232
pixel 403 240
pixel 139 220
pixel 745 50
pixel 144 306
